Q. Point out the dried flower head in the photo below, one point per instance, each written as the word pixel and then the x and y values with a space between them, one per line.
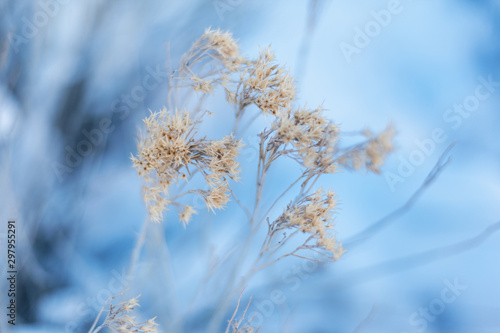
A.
pixel 222 43
pixel 370 154
pixel 131 304
pixel 169 151
pixel 186 214
pixel 119 321
pixel 266 84
pixel 201 85
pixel 313 214
pixel 311 135
pixel 303 135
pixel 209 61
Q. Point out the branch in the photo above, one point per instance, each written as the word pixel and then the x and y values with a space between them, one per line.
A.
pixel 379 225
pixel 235 311
pixel 367 320
pixel 249 216
pixel 419 259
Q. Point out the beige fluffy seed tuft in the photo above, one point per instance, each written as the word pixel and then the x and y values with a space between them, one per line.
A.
pixel 169 151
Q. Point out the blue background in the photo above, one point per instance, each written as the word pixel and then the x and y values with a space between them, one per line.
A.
pixel 66 65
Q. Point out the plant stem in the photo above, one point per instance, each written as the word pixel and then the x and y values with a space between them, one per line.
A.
pixel 138 247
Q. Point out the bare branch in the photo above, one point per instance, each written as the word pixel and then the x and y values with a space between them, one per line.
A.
pixel 379 225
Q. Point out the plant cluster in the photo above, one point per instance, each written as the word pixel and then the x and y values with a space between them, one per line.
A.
pixel 171 151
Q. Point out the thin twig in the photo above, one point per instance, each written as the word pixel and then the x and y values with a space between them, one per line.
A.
pixel 102 310
pixel 276 201
pixel 235 311
pixel 305 45
pixel 366 274
pixel 249 216
pixel 367 320
pixel 138 246
pixel 170 74
pixel 377 226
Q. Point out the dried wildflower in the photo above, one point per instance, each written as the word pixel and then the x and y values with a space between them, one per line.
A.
pixel 217 197
pixel 266 85
pixel 222 155
pixel 303 135
pixel 186 214
pixel 371 153
pixel 311 135
pixel 313 214
pixel 240 325
pixel 214 56
pixel 119 321
pixel 131 304
pixel 205 86
pixel 169 151
pixel 221 42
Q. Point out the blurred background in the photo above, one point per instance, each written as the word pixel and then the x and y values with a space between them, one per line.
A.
pixel 431 68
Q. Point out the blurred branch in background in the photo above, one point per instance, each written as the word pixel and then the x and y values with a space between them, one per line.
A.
pixel 314 11
pixel 383 223
pixel 362 275
pixel 361 327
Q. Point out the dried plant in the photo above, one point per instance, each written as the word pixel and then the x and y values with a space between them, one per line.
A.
pixel 118 318
pixel 370 153
pixel 241 325
pixel 312 214
pixel 171 151
pixel 263 83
